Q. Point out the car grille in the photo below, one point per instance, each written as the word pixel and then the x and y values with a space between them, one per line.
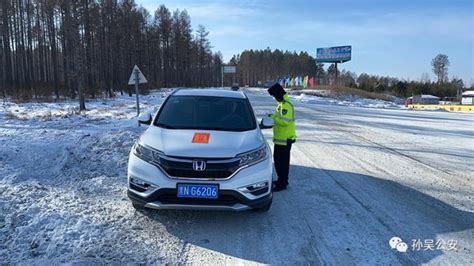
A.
pixel 183 168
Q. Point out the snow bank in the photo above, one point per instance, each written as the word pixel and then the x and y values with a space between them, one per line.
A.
pixel 63 181
pixel 324 97
pixel 346 100
pixel 99 109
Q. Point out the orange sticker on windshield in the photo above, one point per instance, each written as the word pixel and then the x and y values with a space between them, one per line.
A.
pixel 201 138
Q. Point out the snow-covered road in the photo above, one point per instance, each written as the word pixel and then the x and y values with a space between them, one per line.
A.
pixel 359 177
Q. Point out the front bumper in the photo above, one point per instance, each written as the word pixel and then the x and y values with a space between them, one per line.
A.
pixel 162 191
pixel 228 200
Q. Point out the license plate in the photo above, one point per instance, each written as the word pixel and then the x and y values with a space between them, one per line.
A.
pixel 198 191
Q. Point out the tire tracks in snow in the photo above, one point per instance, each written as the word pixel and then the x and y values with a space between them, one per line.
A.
pixel 438 176
pixel 315 251
pixel 338 127
pixel 306 154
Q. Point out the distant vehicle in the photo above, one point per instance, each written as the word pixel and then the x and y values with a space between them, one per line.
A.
pixel 203 150
pixel 467 98
pixel 268 83
pixel 422 99
pixel 235 87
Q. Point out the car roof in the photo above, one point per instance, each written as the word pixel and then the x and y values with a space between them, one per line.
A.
pixel 210 92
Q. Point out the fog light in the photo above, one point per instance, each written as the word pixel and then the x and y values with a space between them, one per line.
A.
pixel 253 187
pixel 260 185
pixel 138 182
pixel 140 185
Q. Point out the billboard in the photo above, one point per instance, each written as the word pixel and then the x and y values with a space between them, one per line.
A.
pixel 229 69
pixel 338 54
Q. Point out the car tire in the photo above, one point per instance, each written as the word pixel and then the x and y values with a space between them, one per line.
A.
pixel 264 208
pixel 137 206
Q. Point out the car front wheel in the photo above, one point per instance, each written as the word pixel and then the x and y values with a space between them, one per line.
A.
pixel 265 207
pixel 137 206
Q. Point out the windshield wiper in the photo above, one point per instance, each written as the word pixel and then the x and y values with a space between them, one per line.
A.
pixel 164 126
pixel 222 129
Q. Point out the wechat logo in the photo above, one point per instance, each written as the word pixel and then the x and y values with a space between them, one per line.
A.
pixel 397 243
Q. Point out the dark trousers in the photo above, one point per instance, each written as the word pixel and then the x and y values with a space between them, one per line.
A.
pixel 281 158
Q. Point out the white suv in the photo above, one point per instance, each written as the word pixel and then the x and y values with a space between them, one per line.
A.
pixel 202 150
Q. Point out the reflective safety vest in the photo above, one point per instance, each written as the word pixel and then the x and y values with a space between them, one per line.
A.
pixel 284 120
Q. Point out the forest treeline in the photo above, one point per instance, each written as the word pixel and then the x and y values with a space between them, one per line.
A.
pixel 257 66
pixel 89 47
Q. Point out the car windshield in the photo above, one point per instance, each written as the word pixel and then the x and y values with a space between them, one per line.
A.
pixel 206 113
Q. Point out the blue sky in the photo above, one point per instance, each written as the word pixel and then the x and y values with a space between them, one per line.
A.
pixel 396 38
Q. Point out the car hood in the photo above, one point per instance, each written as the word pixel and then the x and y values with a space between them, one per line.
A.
pixel 222 144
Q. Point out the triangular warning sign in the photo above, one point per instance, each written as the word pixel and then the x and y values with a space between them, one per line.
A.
pixel 133 76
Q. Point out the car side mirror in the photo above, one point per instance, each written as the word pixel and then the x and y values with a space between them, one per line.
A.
pixel 145 118
pixel 266 122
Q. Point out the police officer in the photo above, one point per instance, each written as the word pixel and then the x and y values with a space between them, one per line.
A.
pixel 284 135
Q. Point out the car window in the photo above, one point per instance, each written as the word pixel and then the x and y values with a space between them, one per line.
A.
pixel 204 112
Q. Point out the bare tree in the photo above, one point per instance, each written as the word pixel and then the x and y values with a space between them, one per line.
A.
pixel 440 67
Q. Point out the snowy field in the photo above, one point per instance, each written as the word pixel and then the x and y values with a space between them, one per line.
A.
pixel 362 172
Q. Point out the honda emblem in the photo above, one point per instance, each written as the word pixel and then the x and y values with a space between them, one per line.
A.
pixel 199 165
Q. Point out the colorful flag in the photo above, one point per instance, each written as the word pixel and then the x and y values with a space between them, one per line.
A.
pixel 305 82
pixel 311 82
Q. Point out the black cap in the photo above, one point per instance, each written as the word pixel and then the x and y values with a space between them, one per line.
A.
pixel 277 91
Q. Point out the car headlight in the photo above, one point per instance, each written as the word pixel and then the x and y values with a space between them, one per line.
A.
pixel 146 154
pixel 253 156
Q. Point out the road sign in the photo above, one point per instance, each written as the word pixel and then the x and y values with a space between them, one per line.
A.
pixel 338 54
pixel 136 78
pixel 133 76
pixel 230 69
